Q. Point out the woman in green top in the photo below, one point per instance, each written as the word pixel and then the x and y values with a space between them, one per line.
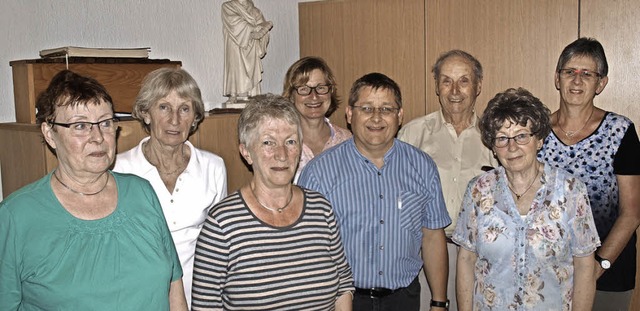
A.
pixel 82 237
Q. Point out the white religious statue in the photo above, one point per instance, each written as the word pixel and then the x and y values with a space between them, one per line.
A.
pixel 246 36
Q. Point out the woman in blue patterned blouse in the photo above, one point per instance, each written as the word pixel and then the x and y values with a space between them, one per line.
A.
pixel 525 231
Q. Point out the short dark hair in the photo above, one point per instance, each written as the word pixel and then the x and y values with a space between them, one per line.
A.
pixel 585 47
pixel 68 88
pixel 298 74
pixel 518 106
pixel 477 67
pixel 376 81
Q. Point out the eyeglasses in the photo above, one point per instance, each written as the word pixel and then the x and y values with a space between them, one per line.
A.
pixel 520 139
pixel 571 73
pixel 320 89
pixel 81 129
pixel 369 110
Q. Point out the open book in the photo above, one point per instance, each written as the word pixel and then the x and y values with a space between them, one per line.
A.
pixel 75 51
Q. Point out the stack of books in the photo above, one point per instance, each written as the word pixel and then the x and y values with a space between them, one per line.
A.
pixel 75 51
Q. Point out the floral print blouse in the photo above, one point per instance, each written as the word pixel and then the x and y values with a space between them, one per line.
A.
pixel 525 262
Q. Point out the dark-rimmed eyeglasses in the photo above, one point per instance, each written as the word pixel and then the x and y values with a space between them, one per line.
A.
pixel 370 110
pixel 520 139
pixel 320 89
pixel 83 128
pixel 570 73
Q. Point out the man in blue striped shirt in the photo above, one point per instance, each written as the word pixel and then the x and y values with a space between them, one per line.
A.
pixel 388 200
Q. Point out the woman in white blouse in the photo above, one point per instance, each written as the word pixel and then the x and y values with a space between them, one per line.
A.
pixel 187 180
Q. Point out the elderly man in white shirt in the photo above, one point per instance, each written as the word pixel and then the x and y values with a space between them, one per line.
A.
pixel 452 139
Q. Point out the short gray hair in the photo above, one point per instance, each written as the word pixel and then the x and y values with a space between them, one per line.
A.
pixel 262 107
pixel 475 64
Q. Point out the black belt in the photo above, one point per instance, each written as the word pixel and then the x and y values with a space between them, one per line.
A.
pixel 376 291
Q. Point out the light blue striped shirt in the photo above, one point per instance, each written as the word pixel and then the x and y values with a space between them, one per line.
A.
pixel 381 212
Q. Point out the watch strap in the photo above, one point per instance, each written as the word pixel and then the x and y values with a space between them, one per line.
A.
pixel 440 304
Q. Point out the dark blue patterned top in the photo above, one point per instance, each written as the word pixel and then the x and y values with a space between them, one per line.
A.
pixel 596 160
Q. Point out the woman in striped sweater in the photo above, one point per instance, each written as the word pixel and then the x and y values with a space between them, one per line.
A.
pixel 271 245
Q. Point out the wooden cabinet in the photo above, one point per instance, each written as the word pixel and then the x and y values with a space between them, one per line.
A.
pixel 122 77
pixel 25 156
pixel 219 134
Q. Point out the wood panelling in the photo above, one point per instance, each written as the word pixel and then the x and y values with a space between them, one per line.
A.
pixel 616 26
pixel 517 41
pixel 347 35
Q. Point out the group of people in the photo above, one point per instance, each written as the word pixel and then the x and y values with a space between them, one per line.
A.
pixel 517 209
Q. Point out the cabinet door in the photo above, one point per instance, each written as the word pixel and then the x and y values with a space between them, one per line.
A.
pixel 361 36
pixel 517 41
pixel 24 156
pixel 218 134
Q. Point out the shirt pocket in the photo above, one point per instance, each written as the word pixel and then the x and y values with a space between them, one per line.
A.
pixel 410 205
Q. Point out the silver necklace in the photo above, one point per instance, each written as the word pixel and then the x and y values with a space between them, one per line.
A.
pixel 78 192
pixel 570 134
pixel 518 196
pixel 279 210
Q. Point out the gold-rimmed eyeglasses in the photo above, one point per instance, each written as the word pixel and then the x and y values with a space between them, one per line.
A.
pixel 83 128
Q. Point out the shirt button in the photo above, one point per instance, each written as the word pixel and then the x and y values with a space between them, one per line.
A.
pixel 382 221
pixel 455 179
pixel 381 247
pixel 177 189
pixel 381 196
pixel 171 201
pixel 379 174
pixel 380 273
pixel 174 223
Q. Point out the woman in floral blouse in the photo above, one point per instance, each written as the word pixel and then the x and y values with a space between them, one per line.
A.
pixel 526 231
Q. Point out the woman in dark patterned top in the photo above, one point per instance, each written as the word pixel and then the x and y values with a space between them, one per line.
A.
pixel 271 245
pixel 601 148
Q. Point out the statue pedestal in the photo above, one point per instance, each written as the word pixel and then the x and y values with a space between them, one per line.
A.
pixel 235 103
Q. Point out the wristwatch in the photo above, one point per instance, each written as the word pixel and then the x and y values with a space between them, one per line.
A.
pixel 604 263
pixel 440 304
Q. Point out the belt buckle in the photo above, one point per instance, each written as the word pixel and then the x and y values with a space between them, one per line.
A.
pixel 378 292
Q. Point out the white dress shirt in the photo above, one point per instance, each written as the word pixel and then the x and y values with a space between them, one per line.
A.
pixel 201 185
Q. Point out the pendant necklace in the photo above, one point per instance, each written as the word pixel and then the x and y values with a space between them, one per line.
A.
pixel 78 192
pixel 518 196
pixel 279 210
pixel 570 134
